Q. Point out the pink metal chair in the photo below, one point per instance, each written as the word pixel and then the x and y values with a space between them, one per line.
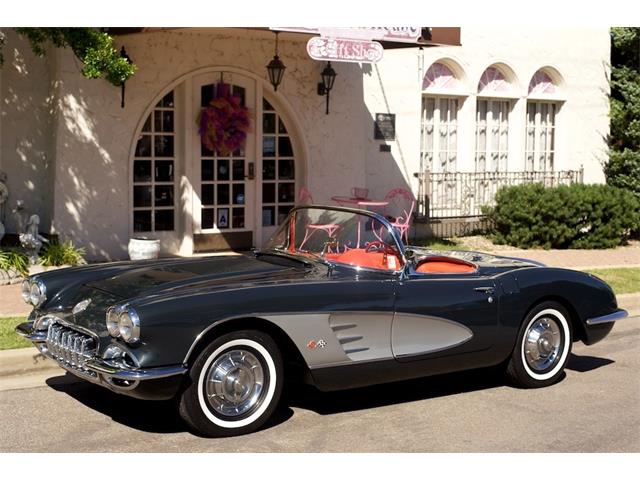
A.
pixel 399 210
pixel 305 197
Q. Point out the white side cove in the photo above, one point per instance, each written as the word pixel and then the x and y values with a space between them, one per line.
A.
pixel 344 338
pixel 419 334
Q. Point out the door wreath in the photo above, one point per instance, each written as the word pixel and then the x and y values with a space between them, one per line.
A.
pixel 224 124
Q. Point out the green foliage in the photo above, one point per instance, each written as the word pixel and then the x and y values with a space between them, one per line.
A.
pixel 574 216
pixel 8 337
pixel 55 254
pixel 623 170
pixel 623 167
pixel 94 48
pixel 14 260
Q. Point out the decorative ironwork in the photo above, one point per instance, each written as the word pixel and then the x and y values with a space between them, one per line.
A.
pixel 463 194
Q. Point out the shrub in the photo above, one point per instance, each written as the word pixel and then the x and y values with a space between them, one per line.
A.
pixel 14 260
pixel 574 216
pixel 55 254
pixel 623 170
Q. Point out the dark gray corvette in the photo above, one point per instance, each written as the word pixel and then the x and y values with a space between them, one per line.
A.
pixel 335 299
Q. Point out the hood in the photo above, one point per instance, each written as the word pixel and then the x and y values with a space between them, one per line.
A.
pixel 182 273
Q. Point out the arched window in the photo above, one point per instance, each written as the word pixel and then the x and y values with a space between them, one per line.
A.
pixel 492 121
pixel 542 107
pixel 439 128
pixel 154 170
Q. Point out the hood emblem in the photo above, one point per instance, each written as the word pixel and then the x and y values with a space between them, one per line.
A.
pixel 81 306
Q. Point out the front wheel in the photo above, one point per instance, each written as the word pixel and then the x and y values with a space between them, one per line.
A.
pixel 236 384
pixel 543 347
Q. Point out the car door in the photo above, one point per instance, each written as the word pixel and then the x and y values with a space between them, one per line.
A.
pixel 443 314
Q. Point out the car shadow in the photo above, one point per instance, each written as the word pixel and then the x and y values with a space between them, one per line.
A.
pixel 163 417
pixel 586 363
pixel 327 403
pixel 144 415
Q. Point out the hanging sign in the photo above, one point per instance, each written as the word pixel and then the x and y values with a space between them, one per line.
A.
pixel 390 34
pixel 344 50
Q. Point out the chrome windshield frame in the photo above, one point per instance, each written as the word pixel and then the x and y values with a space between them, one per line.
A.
pixel 395 235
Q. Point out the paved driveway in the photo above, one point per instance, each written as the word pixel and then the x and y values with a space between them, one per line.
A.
pixel 595 408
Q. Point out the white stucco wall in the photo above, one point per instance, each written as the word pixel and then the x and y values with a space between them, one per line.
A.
pixel 49 111
pixel 580 55
pixel 94 135
pixel 27 115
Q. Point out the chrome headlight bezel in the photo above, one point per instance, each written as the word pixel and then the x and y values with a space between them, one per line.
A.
pixel 123 322
pixel 25 290
pixel 113 326
pixel 129 325
pixel 37 292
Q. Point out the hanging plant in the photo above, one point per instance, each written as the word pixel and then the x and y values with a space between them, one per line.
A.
pixel 224 124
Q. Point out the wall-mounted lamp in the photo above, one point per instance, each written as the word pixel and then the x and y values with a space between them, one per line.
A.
pixel 276 69
pixel 123 54
pixel 328 78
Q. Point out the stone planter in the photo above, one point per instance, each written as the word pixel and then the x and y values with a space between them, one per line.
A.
pixel 143 248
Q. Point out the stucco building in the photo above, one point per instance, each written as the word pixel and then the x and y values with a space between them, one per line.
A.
pixel 504 100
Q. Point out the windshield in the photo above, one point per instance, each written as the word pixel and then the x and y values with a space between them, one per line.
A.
pixel 337 236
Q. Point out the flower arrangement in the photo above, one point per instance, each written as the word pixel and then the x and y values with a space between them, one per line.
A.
pixel 224 124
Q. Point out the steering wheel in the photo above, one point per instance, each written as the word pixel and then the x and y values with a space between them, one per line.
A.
pixel 379 246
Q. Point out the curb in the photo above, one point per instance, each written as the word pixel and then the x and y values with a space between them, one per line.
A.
pixel 22 361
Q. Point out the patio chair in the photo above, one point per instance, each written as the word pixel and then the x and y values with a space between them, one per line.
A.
pixel 399 210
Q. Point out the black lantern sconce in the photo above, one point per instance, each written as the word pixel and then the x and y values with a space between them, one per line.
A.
pixel 276 69
pixel 123 54
pixel 328 78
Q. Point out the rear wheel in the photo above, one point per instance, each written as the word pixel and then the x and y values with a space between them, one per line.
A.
pixel 236 384
pixel 543 347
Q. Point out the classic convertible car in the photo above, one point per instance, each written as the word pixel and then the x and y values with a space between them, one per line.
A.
pixel 335 299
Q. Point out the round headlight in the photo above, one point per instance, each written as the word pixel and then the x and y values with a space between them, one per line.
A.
pixel 113 322
pixel 37 293
pixel 26 291
pixel 129 324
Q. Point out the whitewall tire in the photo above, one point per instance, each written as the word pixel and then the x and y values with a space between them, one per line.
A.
pixel 542 348
pixel 235 385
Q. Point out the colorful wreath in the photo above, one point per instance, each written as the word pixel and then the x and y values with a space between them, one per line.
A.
pixel 224 124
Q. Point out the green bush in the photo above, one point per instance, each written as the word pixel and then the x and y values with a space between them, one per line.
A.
pixel 55 254
pixel 567 216
pixel 623 170
pixel 14 260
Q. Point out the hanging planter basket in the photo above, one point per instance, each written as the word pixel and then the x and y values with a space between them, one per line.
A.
pixel 224 124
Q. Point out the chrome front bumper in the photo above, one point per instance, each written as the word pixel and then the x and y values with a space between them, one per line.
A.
pixel 98 369
pixel 612 317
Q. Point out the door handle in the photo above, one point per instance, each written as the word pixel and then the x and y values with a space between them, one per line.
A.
pixel 484 289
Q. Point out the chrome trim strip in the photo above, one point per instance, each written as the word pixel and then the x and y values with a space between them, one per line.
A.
pixel 101 366
pixel 26 330
pixel 612 317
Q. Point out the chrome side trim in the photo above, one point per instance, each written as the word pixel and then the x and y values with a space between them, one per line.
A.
pixel 612 317
pixel 101 366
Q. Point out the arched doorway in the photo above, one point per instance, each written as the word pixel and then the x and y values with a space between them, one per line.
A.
pixel 216 201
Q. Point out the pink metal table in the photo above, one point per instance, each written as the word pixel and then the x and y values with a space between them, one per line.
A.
pixel 360 202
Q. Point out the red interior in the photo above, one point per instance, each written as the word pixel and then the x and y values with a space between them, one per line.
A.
pixel 360 257
pixel 444 265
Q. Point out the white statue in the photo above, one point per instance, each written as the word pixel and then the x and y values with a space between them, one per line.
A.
pixel 31 240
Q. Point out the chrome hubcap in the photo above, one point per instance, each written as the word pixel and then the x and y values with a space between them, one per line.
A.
pixel 542 343
pixel 235 383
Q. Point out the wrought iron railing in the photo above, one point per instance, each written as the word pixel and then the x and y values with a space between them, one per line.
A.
pixel 463 194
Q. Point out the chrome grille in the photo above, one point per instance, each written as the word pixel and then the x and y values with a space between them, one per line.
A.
pixel 70 347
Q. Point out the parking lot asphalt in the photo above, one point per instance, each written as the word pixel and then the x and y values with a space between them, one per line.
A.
pixel 595 408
